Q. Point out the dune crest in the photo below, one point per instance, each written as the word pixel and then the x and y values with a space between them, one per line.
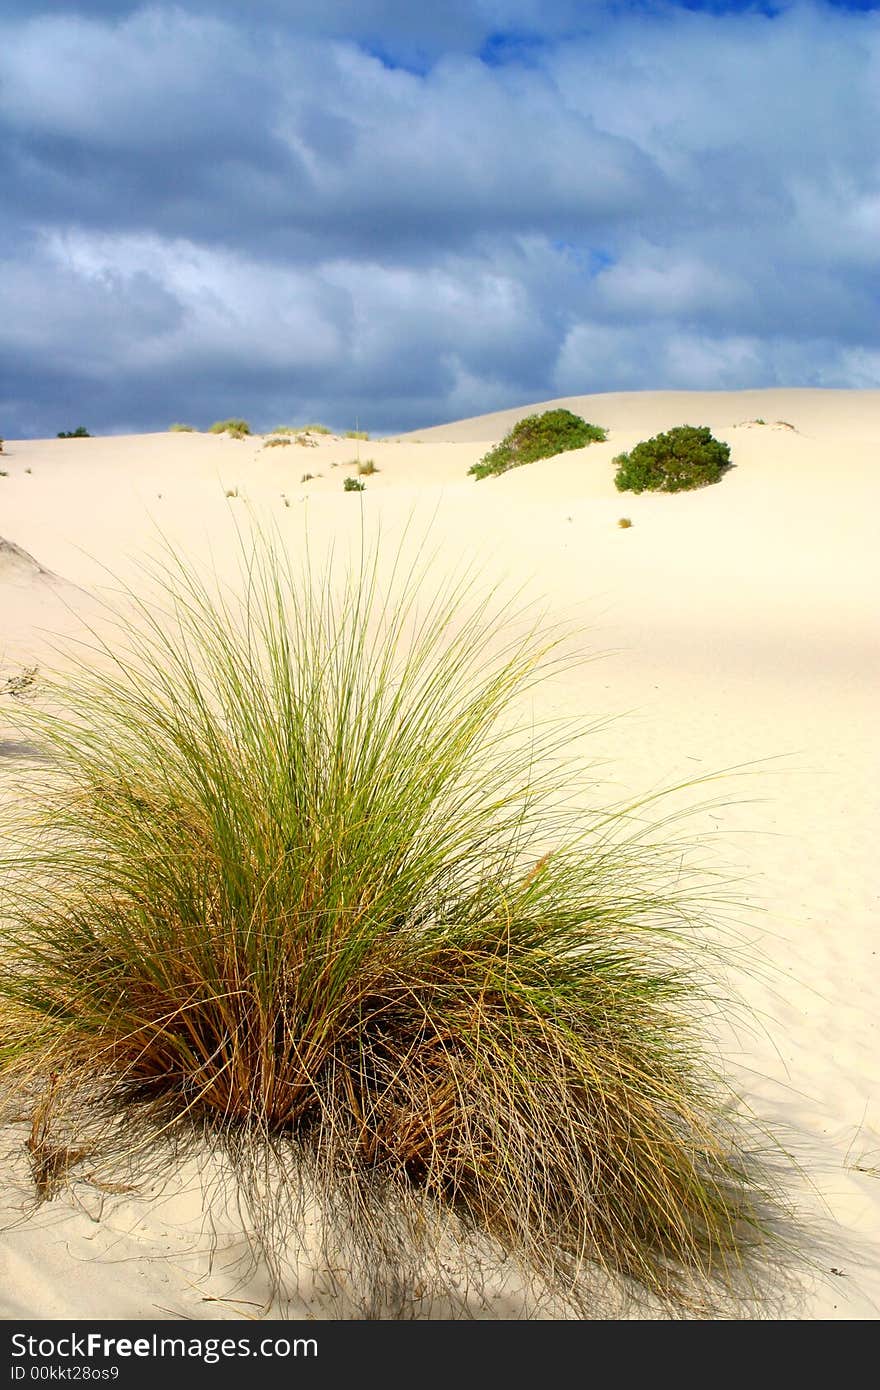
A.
pixel 18 566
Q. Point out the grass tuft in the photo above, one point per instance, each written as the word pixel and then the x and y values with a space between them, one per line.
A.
pixel 181 429
pixel 236 428
pixel 307 888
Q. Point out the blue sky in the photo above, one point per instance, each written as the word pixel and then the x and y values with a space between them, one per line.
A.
pixel 399 214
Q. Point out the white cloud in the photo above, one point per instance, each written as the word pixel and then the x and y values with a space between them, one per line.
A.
pixel 666 198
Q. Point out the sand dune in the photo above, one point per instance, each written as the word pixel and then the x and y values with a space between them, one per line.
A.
pixel 741 626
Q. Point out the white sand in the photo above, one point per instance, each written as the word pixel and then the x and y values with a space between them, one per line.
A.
pixel 742 621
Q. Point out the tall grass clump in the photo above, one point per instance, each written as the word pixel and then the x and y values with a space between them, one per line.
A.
pixel 538 437
pixel 307 889
pixel 178 428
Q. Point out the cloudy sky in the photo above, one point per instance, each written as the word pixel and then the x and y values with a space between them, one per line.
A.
pixel 395 213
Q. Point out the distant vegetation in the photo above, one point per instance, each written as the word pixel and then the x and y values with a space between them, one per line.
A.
pixel 353 485
pixel 278 442
pixel 79 433
pixel 538 437
pixel 237 428
pixel 357 434
pixel 316 429
pixel 624 523
pixel 683 458
pixel 366 467
pixel 181 429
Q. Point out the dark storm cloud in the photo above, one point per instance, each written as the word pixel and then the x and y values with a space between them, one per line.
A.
pixel 408 213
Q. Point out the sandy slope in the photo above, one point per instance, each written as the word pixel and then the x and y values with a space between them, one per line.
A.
pixel 741 622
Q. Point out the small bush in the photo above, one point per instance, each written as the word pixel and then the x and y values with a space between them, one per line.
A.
pixel 353 485
pixel 232 492
pixel 316 429
pixel 307 477
pixel 79 433
pixel 280 443
pixel 367 468
pixel 624 523
pixel 237 428
pixel 3 473
pixel 1 446
pixel 357 434
pixel 683 458
pixel 22 685
pixel 538 437
pixel 284 429
pixel 181 429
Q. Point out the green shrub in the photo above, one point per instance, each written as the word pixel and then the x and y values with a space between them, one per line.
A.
pixel 280 442
pixel 357 434
pixel 237 428
pixel 353 485
pixel 308 886
pixel 181 429
pixel 79 433
pixel 683 458
pixel 538 437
